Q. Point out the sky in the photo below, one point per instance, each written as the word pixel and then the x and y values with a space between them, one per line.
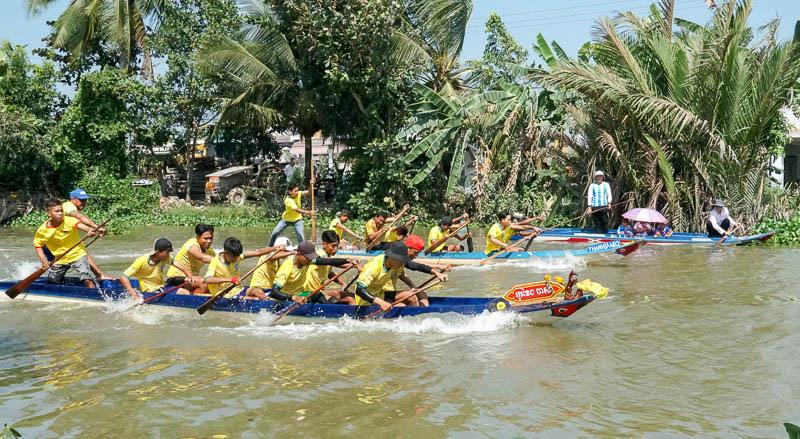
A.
pixel 569 22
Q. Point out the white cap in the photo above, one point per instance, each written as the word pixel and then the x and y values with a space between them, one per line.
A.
pixel 284 241
pixel 600 173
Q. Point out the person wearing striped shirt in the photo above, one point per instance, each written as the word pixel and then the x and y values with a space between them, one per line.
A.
pixel 598 198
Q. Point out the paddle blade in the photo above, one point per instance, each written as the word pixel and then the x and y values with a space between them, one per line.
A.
pixel 24 283
pixel 207 305
pixel 470 245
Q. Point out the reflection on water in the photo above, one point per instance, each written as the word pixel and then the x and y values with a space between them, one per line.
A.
pixel 691 342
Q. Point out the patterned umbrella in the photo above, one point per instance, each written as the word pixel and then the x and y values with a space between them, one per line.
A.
pixel 644 215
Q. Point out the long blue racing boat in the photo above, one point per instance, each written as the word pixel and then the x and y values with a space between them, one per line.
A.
pixel 476 258
pixel 582 236
pixel 516 301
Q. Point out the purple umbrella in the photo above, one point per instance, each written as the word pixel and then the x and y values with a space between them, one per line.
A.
pixel 644 215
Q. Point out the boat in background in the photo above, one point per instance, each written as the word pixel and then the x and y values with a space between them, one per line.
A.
pixel 580 236
pixel 475 258
pixel 544 299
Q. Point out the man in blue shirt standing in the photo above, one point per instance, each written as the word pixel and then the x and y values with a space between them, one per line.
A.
pixel 599 201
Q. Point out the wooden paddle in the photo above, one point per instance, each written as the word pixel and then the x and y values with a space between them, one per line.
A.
pixel 313 217
pixel 719 243
pixel 425 285
pixel 25 283
pixel 470 243
pixel 161 294
pixel 385 229
pixel 210 302
pixel 313 293
pixel 444 239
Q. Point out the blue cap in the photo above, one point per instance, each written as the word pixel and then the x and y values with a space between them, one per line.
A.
pixel 79 194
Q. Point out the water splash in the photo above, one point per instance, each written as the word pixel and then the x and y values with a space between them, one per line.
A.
pixel 16 269
pixel 262 325
pixel 568 262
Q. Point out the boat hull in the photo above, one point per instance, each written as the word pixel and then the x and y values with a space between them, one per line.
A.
pixel 72 291
pixel 582 236
pixel 476 258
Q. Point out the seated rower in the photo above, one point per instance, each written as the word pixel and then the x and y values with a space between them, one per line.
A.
pixel 318 273
pixel 264 275
pixel 415 245
pixel 292 276
pixel 373 230
pixel 337 225
pixel 523 224
pixel 59 233
pixel 719 223
pixel 437 237
pixel 191 257
pixel 223 269
pixel 378 279
pixel 499 235
pixel 150 270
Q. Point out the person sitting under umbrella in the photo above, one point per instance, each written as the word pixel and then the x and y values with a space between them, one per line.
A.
pixel 644 220
pixel 719 223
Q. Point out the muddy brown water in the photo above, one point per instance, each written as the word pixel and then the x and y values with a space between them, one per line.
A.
pixel 691 342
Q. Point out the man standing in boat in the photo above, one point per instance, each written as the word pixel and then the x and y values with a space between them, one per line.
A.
pixel 719 223
pixel 599 198
pixel 59 233
pixel 292 214
pixel 74 208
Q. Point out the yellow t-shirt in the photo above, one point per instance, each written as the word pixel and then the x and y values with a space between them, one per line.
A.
pixel 68 207
pixel 265 274
pixel 335 227
pixel 375 277
pixel 289 206
pixel 369 229
pixel 390 236
pixel 59 239
pixel 184 259
pixel 434 235
pixel 151 277
pixel 317 274
pixel 219 268
pixel 499 233
pixel 291 279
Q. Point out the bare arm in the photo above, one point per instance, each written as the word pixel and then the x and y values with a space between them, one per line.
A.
pixel 260 252
pixel 128 287
pixel 345 229
pixel 198 254
pixel 83 219
pixel 42 257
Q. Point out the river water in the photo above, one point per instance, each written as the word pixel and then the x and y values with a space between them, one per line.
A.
pixel 690 342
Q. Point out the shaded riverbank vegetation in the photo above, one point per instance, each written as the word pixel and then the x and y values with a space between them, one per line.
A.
pixel 675 112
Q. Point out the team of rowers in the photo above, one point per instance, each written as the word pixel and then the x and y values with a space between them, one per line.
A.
pixel 282 273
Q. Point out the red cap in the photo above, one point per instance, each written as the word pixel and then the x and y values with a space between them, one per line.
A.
pixel 415 242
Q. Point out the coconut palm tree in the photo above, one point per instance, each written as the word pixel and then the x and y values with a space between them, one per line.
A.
pixel 120 23
pixel 679 112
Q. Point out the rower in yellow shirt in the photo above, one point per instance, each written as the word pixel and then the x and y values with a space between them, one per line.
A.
pixel 268 265
pixel 499 236
pixel 223 269
pixel 292 214
pixel 191 257
pixel 436 237
pixel 59 234
pixel 319 273
pixel 150 270
pixel 292 279
pixel 337 225
pixel 78 199
pixel 376 230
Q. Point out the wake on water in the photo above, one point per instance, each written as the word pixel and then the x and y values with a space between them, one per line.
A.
pixel 568 262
